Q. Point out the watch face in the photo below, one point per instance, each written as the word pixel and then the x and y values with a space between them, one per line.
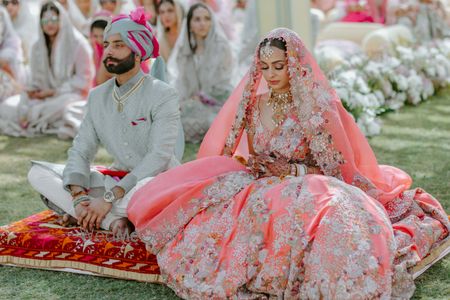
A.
pixel 109 196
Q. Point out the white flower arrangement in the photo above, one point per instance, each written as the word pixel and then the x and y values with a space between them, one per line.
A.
pixel 368 88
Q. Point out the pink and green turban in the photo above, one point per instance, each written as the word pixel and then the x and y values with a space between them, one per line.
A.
pixel 138 35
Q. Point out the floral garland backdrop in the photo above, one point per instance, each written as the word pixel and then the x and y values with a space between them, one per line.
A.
pixel 369 87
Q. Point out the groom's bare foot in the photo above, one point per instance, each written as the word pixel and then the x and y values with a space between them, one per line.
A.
pixel 122 227
pixel 66 220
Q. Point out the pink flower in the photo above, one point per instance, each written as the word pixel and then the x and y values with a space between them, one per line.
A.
pixel 138 16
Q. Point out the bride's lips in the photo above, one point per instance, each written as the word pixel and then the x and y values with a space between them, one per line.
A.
pixel 274 82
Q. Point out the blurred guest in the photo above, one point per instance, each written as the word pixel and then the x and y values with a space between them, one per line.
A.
pixel 11 54
pixel 170 20
pixel 81 12
pixel 116 7
pixel 201 69
pixel 99 23
pixel 24 23
pixel 249 38
pixel 64 3
pixel 109 5
pixel 323 5
pixel 223 10
pixel 85 7
pixel 9 48
pixel 426 18
pixel 371 11
pixel 61 73
pixel 241 4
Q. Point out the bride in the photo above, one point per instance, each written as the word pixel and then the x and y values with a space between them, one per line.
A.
pixel 286 199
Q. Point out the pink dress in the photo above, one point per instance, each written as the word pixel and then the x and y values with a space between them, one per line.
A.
pixel 220 232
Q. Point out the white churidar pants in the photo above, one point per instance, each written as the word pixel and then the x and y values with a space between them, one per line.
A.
pixel 50 185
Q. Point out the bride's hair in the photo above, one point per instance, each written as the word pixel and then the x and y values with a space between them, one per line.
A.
pixel 275 42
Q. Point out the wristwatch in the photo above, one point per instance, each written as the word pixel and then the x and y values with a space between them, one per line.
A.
pixel 109 197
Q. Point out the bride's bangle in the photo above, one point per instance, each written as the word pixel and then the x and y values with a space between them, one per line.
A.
pixel 301 169
pixel 294 170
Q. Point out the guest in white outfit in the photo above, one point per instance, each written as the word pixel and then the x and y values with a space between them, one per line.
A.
pixel 80 13
pixel 11 54
pixel 61 73
pixel 24 23
pixel 201 68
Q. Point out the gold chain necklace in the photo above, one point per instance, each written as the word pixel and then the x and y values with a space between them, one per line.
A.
pixel 120 100
pixel 281 104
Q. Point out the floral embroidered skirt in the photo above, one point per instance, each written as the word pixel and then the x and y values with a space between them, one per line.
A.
pixel 219 232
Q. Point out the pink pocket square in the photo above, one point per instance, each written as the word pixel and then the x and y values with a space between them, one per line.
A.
pixel 137 121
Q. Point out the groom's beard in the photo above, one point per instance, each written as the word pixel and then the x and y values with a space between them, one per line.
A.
pixel 122 65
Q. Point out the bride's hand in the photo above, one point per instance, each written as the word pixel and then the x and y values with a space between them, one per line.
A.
pixel 266 166
pixel 314 170
pixel 254 166
pixel 279 168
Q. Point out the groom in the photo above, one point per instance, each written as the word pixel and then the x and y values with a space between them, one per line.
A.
pixel 134 116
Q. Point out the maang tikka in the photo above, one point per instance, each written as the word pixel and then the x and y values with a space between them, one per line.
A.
pixel 266 51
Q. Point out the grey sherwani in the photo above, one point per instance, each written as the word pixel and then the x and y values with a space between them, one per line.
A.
pixel 141 139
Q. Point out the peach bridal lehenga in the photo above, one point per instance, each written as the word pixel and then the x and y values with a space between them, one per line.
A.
pixel 350 233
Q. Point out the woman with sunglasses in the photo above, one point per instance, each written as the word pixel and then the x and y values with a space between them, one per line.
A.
pixel 61 70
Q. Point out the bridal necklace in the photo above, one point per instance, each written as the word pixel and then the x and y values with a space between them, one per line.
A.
pixel 281 104
pixel 120 100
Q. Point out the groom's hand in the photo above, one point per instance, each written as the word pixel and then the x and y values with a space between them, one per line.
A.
pixel 96 212
pixel 81 211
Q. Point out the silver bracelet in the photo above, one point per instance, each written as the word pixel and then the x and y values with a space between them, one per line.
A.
pixel 81 199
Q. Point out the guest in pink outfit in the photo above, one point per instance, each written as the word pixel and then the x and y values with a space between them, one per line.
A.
pixel 287 199
pixel 371 11
pixel 98 25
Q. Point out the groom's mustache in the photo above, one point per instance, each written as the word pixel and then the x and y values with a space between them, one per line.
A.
pixel 111 59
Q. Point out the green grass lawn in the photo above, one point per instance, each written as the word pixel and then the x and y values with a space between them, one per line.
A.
pixel 417 140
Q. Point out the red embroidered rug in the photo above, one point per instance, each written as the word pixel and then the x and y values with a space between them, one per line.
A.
pixel 39 242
